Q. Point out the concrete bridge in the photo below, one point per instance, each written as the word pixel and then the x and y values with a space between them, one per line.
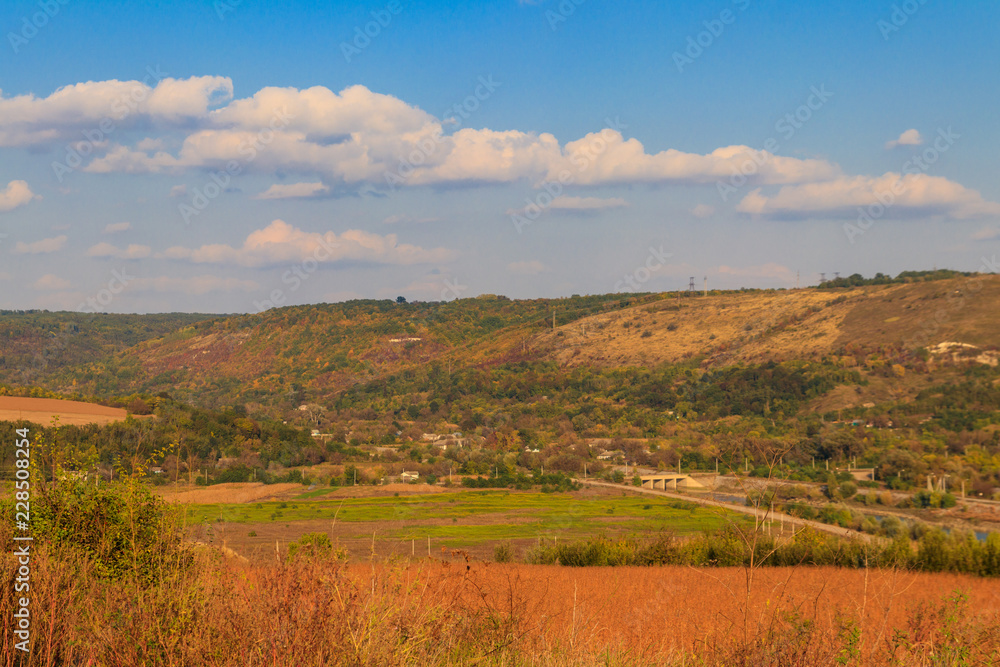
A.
pixel 670 480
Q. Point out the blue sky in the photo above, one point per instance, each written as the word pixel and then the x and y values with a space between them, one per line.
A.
pixel 228 156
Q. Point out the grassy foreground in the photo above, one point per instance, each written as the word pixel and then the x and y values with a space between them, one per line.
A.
pixel 112 584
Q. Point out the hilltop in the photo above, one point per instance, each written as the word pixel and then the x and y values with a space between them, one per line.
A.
pixel 756 327
pixel 287 356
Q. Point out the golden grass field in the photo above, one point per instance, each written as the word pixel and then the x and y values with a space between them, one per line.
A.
pixel 760 326
pixel 42 410
pixel 452 611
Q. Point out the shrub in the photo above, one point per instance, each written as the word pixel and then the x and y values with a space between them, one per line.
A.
pixel 503 553
pixel 315 545
pixel 121 528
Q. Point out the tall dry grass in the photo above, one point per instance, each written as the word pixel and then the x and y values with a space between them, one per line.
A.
pixel 314 612
pixel 113 586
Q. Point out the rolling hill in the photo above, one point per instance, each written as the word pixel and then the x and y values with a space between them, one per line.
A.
pixel 283 356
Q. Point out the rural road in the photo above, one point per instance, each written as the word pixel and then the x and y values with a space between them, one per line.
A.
pixel 774 516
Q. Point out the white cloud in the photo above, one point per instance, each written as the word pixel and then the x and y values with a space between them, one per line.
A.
pixel 133 251
pixel 16 194
pixel 178 191
pixel 51 283
pixel 527 268
pixel 294 191
pixel 359 139
pixel 40 247
pixel 116 227
pixel 102 107
pixel 703 211
pixel 907 138
pixel 195 285
pixel 908 193
pixel 280 243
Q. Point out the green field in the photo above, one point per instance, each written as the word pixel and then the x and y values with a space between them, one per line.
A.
pixel 473 517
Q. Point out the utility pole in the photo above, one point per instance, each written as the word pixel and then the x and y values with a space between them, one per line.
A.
pixel 705 293
pixel 553 319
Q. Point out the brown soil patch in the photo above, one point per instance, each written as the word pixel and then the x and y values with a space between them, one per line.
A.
pixel 42 410
pixel 243 492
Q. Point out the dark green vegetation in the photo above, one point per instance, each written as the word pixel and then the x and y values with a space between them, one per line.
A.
pixel 37 345
pixel 857 280
pixel 180 440
pixel 936 551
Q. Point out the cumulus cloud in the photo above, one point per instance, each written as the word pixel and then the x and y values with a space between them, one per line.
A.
pixel 51 283
pixel 908 138
pixel 294 191
pixel 527 268
pixel 280 243
pixel 104 106
pixel 361 137
pixel 178 191
pixel 195 285
pixel 116 227
pixel 15 195
pixel 361 140
pixel 40 247
pixel 133 251
pixel 901 193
